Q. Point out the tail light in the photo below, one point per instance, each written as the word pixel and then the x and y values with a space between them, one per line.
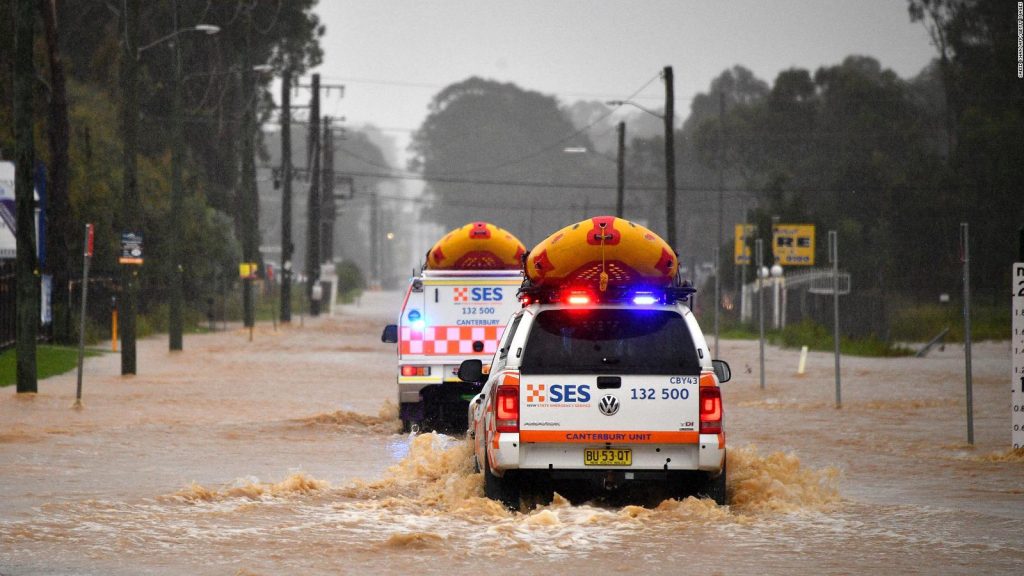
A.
pixel 506 409
pixel 415 370
pixel 710 410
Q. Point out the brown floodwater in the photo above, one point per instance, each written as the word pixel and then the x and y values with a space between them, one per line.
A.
pixel 283 456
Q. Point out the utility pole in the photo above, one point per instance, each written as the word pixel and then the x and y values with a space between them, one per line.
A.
pixel 833 256
pixel 286 195
pixel 327 203
pixel 27 298
pixel 375 240
pixel 177 201
pixel 313 206
pixel 759 256
pixel 670 158
pixel 965 247
pixel 721 192
pixel 248 195
pixel 620 197
pixel 131 209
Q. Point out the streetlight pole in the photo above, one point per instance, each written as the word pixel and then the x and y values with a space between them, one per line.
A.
pixel 175 305
pixel 670 158
pixel 621 161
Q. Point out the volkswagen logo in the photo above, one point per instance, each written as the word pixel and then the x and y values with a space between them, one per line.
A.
pixel 609 405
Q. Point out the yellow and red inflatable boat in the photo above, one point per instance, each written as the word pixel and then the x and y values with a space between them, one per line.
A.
pixel 477 246
pixel 626 253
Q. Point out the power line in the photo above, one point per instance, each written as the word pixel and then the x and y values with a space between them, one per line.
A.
pixel 429 86
pixel 554 144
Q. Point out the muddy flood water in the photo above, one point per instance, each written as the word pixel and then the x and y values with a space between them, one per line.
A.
pixel 283 456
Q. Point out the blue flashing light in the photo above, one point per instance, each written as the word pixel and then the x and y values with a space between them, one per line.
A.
pixel 644 299
pixel 416 320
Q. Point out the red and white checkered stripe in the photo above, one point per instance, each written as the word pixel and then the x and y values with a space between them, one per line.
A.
pixel 449 340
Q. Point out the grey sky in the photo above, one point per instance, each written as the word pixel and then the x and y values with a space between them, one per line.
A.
pixel 394 55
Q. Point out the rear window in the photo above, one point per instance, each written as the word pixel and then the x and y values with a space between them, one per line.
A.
pixel 610 341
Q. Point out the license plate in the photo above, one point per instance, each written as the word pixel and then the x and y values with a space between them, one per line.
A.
pixel 607 457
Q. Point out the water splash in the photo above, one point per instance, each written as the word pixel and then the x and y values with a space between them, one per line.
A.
pixel 386 420
pixel 778 482
pixel 296 484
pixel 1009 455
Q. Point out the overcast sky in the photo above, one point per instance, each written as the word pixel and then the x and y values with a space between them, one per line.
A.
pixel 394 55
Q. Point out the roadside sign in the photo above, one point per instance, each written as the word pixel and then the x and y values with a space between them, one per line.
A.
pixel 741 249
pixel 89 235
pixel 1017 346
pixel 793 244
pixel 131 248
pixel 247 270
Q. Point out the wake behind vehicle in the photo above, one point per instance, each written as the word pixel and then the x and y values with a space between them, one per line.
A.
pixel 454 309
pixel 603 380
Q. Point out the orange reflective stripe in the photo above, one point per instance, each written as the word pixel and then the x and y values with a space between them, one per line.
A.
pixel 707 379
pixel 603 436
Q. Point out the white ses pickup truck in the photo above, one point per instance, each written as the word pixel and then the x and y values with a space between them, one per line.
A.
pixel 601 391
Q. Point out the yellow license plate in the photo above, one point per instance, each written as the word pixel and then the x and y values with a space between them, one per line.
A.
pixel 607 457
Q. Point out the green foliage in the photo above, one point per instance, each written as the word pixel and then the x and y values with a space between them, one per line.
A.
pixel 481 127
pixel 818 337
pixel 350 280
pixel 50 361
pixel 921 323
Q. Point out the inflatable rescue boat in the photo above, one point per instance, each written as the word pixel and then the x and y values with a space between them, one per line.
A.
pixel 603 251
pixel 476 246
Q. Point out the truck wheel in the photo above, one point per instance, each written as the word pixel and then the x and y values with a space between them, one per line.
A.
pixel 504 489
pixel 714 487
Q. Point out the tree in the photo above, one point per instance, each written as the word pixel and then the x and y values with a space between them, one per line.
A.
pixel 58 206
pixel 27 282
pixel 493 151
pixel 976 43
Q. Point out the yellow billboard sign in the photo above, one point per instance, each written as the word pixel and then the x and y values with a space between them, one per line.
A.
pixel 741 250
pixel 793 244
pixel 247 270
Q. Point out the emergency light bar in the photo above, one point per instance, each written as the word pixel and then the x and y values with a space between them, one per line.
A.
pixel 582 295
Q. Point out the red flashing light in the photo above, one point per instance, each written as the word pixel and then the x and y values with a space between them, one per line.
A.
pixel 710 410
pixel 506 409
pixel 579 298
pixel 415 370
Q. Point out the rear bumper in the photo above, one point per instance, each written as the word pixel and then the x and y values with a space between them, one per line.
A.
pixel 706 455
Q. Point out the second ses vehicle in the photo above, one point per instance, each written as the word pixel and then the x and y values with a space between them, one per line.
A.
pixel 455 309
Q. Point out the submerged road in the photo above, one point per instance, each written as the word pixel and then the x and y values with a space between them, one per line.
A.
pixel 282 456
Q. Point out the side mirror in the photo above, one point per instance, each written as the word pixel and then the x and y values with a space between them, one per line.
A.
pixel 471 371
pixel 722 370
pixel 390 334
